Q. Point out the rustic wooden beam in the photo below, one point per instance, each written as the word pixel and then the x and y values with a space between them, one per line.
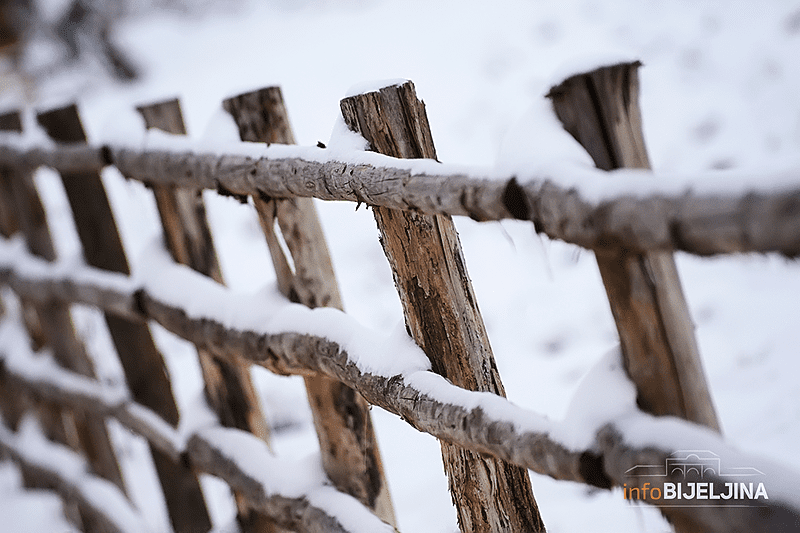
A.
pixel 349 448
pixel 698 223
pixel 205 449
pixel 610 450
pixel 228 385
pixel 441 311
pixel 604 464
pixel 290 353
pixel 601 111
pixel 142 363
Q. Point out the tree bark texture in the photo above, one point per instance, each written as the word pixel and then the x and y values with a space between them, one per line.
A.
pixel 350 454
pixel 228 384
pixel 141 361
pixel 601 110
pixel 441 312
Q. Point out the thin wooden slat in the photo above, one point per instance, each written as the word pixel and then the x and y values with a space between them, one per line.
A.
pixel 601 110
pixel 228 386
pixel 350 453
pixel 142 363
pixel 441 311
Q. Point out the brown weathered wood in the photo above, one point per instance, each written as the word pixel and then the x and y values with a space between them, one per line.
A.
pixel 11 121
pixel 298 512
pixel 601 110
pixel 228 385
pixel 441 311
pixel 12 401
pixel 57 329
pixel 50 323
pixel 291 353
pixel 142 363
pixel 182 210
pixel 427 414
pixel 695 222
pixel 350 454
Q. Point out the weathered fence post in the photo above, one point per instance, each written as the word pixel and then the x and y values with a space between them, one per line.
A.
pixel 228 387
pixel 350 453
pixel 53 322
pixel 441 311
pixel 12 401
pixel 601 110
pixel 141 361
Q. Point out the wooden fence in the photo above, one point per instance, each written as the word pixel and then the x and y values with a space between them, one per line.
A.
pixel 487 443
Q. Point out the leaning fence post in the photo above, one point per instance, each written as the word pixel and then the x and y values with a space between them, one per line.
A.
pixel 142 363
pixel 441 311
pixel 601 110
pixel 229 387
pixel 12 401
pixel 54 323
pixel 349 449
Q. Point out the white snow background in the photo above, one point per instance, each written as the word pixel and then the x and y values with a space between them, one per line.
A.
pixel 719 91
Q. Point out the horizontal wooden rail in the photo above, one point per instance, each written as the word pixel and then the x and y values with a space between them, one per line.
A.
pixel 92 493
pixel 58 466
pixel 697 223
pixel 210 448
pixel 477 421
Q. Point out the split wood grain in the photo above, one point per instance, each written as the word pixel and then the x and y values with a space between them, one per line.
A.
pixel 441 311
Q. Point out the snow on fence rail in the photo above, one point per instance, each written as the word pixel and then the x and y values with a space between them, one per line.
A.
pixel 446 385
pixel 289 339
pixel 755 219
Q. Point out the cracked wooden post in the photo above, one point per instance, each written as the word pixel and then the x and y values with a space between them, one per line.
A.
pixel 441 311
pixel 601 110
pixel 228 386
pixel 142 363
pixel 349 448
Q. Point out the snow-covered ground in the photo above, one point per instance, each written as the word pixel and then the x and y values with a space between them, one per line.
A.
pixel 719 92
